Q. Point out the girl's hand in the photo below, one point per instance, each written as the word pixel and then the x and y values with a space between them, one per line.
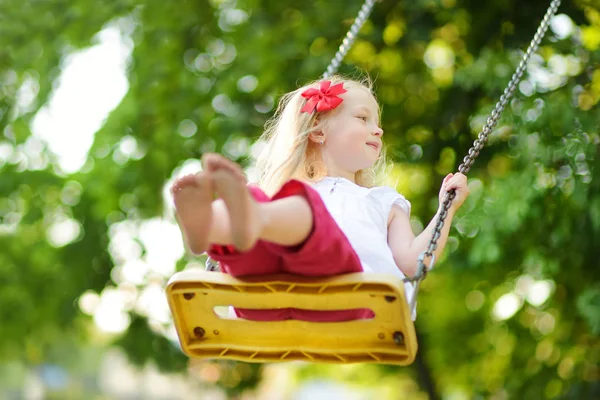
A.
pixel 458 182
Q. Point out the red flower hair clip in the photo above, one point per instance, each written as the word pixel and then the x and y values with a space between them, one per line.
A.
pixel 324 98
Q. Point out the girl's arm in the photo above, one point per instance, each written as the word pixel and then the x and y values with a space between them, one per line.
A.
pixel 405 247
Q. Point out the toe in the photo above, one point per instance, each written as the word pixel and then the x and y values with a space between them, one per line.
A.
pixel 212 162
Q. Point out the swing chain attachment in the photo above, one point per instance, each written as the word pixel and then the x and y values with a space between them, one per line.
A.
pixel 418 277
pixel 483 135
pixel 422 269
pixel 348 41
pixel 211 265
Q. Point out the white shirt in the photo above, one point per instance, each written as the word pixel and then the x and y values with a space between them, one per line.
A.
pixel 362 214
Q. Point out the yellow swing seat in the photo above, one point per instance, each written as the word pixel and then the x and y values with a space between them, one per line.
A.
pixel 388 338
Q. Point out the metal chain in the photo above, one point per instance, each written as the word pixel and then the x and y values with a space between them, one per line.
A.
pixel 348 41
pixel 479 143
pixel 508 92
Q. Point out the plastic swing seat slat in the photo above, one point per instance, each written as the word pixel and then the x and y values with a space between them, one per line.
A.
pixel 388 338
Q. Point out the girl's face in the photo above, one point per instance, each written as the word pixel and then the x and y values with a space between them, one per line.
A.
pixel 352 136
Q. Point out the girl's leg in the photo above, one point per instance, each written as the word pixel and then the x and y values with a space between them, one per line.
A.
pixel 193 195
pixel 241 221
pixel 236 218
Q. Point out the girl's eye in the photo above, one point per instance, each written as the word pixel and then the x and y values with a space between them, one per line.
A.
pixel 363 118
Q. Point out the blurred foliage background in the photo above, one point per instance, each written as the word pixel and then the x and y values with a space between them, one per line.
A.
pixel 87 235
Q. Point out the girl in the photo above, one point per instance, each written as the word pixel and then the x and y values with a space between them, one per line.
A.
pixel 315 211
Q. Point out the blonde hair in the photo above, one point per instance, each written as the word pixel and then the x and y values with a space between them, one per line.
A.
pixel 289 154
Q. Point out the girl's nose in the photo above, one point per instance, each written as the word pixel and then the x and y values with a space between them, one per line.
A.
pixel 378 131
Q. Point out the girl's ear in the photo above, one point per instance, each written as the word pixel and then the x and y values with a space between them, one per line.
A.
pixel 317 136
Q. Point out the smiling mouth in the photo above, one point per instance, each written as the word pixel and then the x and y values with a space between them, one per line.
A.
pixel 373 145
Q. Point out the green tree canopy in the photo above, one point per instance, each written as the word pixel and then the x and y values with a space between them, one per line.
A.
pixel 511 311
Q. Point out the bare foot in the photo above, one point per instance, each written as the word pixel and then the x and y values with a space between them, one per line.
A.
pixel 193 196
pixel 242 208
pixel 212 162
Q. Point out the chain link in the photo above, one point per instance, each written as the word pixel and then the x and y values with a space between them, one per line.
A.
pixel 480 142
pixel 348 41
